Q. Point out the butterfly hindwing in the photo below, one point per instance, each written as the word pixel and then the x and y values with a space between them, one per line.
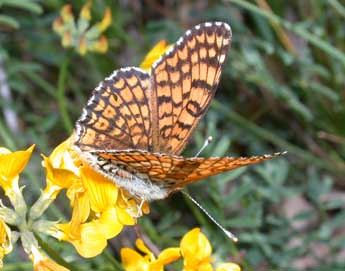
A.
pixel 184 82
pixel 174 172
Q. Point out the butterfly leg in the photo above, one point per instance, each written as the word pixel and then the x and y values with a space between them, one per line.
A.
pixel 140 206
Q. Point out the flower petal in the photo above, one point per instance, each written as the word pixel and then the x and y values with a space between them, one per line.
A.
pixel 101 191
pixel 110 223
pixel 11 164
pixel 228 267
pixel 85 12
pixel 154 54
pixel 106 21
pixel 132 260
pixel 167 256
pixel 196 250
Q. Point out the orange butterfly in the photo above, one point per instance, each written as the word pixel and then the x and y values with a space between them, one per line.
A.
pixel 136 124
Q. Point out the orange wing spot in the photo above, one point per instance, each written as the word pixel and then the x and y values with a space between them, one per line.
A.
pixel 185 68
pixel 100 106
pixel 166 108
pixel 201 38
pixel 89 136
pixel 134 109
pixel 138 93
pixel 203 70
pixel 203 53
pixel 195 71
pixel 219 41
pixel 211 38
pixel 177 95
pixel 145 110
pixel 191 43
pixel 114 102
pixel 212 52
pixel 109 112
pixel 127 95
pixel 132 81
pixel 195 58
pixel 164 91
pixel 211 74
pixel 163 76
pixel 102 124
pixel 183 53
pixel 161 67
pixel 119 84
pixel 186 85
pixel 106 92
pixel 172 61
pixel 175 77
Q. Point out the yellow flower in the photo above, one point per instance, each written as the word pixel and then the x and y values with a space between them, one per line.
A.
pixel 154 54
pixel 58 25
pixel 66 39
pixel 133 261
pixel 5 241
pixel 78 33
pixel 66 13
pixel 100 45
pixel 82 47
pixel 228 267
pixel 57 178
pixel 100 208
pixel 106 21
pixel 11 165
pixel 196 251
pixel 85 11
pixel 43 263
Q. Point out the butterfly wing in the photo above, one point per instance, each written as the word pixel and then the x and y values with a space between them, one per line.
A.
pixel 118 114
pixel 184 82
pixel 133 110
pixel 174 172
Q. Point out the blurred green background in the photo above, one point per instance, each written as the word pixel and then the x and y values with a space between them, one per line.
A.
pixel 283 88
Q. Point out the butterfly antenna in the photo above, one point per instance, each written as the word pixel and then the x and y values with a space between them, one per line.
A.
pixel 226 232
pixel 207 141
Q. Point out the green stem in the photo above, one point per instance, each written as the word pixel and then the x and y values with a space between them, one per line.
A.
pixel 6 136
pixel 312 39
pixel 116 265
pixel 53 254
pixel 61 94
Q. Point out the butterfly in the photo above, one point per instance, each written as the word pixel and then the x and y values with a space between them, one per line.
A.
pixel 136 123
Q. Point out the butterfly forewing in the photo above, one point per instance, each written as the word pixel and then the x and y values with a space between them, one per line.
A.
pixel 118 115
pixel 185 80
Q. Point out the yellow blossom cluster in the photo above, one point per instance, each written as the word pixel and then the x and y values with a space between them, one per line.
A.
pixel 80 34
pixel 100 208
pixel 195 250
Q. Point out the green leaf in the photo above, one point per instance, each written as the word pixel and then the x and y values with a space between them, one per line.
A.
pixel 8 21
pixel 23 4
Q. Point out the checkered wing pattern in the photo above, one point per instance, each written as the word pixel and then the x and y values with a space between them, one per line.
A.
pixel 134 110
pixel 118 114
pixel 174 172
pixel 184 81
